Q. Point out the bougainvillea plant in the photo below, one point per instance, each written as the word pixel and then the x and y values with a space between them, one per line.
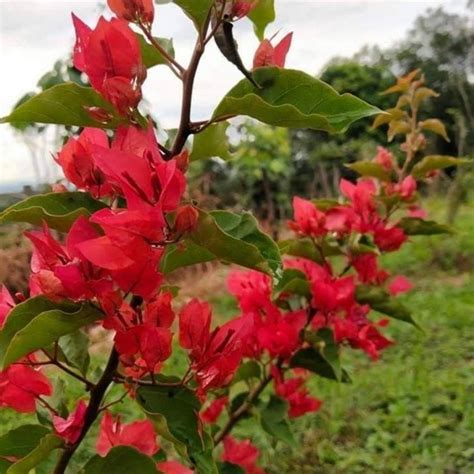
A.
pixel 102 255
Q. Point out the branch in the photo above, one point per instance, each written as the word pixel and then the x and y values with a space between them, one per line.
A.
pixel 175 67
pixel 97 395
pixel 184 129
pixel 95 402
pixel 54 361
pixel 243 409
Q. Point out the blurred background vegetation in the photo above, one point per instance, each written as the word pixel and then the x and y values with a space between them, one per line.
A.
pixel 413 411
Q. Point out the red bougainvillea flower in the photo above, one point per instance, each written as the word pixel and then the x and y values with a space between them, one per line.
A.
pixel 194 327
pixel 61 271
pixel 135 166
pixel 389 239
pixel 269 55
pixel 296 394
pixel 6 304
pixel 362 197
pixel 398 285
pixel 110 56
pixel 241 8
pixel 253 291
pixel 360 333
pixel 133 10
pixel 173 467
pixel 281 338
pixel 20 386
pixel 367 269
pixel 142 332
pixel 384 158
pixel 214 410
pixel 70 428
pixel 186 219
pixel 308 219
pixel 139 434
pixel 215 355
pixel 151 342
pixel 407 188
pixel 242 453
pixel 78 165
pixel 417 211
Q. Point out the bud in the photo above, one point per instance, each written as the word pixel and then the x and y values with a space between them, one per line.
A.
pixel 242 8
pixel 182 160
pixel 133 10
pixel 58 188
pixel 186 219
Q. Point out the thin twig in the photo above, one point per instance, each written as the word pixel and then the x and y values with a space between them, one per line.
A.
pixel 95 401
pixel 184 129
pixel 175 67
pixel 51 361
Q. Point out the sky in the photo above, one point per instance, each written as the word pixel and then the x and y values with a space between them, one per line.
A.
pixel 35 33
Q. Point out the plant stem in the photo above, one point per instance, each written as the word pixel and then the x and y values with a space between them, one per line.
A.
pixel 97 395
pixel 188 76
pixel 53 361
pixel 175 67
pixel 243 409
pixel 95 402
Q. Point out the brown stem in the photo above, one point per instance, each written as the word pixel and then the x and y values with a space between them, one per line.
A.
pixel 243 409
pixel 188 76
pixel 53 361
pixel 97 395
pixel 175 67
pixel 95 402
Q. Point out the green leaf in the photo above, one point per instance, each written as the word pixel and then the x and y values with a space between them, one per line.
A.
pixel 293 282
pixel 435 162
pixel 196 10
pixel 174 411
pixel 211 142
pixel 229 468
pixel 369 168
pixel 58 210
pixel 323 358
pixel 380 300
pixel 21 315
pixel 418 226
pixel 37 323
pixel 274 420
pixel 236 239
pixel 177 256
pixel 64 104
pixel 245 228
pixel 247 370
pixel 150 55
pixel 261 16
pixel 75 350
pixel 436 126
pixel 290 98
pixel 46 445
pixel 4 465
pixel 121 460
pixel 21 441
pixel 305 248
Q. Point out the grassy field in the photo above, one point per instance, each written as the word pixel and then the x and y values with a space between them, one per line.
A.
pixel 411 412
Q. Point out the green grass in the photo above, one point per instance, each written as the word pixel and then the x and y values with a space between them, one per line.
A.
pixel 410 412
